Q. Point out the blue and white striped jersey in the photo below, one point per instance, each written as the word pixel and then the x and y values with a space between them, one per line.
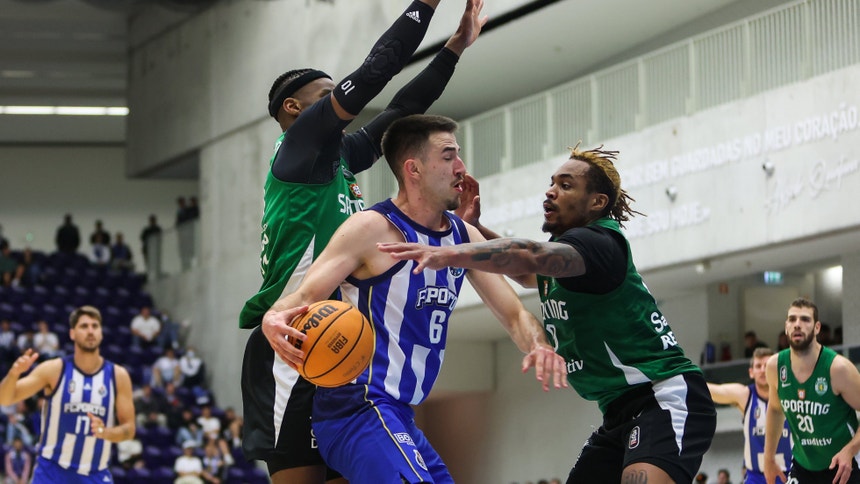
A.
pixel 409 312
pixel 66 438
pixel 753 421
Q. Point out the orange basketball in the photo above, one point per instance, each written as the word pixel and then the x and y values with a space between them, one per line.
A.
pixel 339 346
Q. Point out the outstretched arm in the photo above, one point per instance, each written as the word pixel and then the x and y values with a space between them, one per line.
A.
pixel 521 325
pixel 730 394
pixel 387 57
pixel 421 92
pixel 513 257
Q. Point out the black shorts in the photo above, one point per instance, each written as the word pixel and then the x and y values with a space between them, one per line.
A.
pixel 669 424
pixel 277 410
pixel 799 475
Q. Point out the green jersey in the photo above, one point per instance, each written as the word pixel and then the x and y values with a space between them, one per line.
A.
pixel 821 422
pixel 611 342
pixel 298 221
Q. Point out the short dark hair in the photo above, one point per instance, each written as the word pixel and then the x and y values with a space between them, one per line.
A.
pixel 802 302
pixel 90 311
pixel 408 136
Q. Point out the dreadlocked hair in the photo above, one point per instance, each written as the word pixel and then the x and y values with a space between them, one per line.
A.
pixel 285 79
pixel 602 177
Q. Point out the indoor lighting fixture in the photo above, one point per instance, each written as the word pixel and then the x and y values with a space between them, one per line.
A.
pixel 66 110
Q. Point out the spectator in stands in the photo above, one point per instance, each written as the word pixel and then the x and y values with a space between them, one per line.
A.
pixel 18 463
pixel 144 328
pixel 837 335
pixel 188 467
pixel 99 230
pixel 150 236
pixel 150 408
pixel 214 467
pixel 166 369
pixel 193 209
pixel 120 254
pixel 193 369
pixel 210 424
pixel 129 454
pixel 825 335
pixel 8 349
pixel 175 406
pixel 30 269
pixel 190 430
pixel 782 342
pixel 169 335
pixel 182 214
pixel 25 341
pixel 232 428
pixel 184 233
pixel 17 428
pixel 8 265
pixel 46 342
pixel 751 342
pixel 68 237
pixel 99 251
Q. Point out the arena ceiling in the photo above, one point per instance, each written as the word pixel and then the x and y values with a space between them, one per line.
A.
pixel 74 52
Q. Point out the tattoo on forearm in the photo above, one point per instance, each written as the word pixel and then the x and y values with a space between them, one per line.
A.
pixel 555 260
pixel 634 477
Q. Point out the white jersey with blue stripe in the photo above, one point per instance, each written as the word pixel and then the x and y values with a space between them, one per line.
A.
pixel 66 437
pixel 409 312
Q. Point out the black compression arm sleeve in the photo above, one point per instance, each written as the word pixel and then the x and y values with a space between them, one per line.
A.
pixel 391 52
pixel 414 98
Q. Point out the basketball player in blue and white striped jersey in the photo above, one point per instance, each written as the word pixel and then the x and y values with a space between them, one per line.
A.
pixel 366 429
pixel 88 405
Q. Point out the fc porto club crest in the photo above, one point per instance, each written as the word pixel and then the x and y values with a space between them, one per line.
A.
pixel 72 386
pixel 821 386
pixel 102 391
pixel 633 440
pixel 419 459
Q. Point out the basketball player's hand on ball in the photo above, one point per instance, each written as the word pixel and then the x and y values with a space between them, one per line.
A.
pixel 548 365
pixel 97 426
pixel 276 328
pixel 23 362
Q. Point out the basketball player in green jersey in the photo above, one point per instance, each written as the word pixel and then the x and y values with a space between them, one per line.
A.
pixel 309 191
pixel 658 416
pixel 818 391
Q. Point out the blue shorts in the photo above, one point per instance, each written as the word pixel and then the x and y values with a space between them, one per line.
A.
pixel 378 443
pixel 49 472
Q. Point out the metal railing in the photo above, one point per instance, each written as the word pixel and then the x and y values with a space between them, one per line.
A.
pixel 784 45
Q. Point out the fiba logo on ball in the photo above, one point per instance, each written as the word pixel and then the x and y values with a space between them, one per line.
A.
pixel 339 345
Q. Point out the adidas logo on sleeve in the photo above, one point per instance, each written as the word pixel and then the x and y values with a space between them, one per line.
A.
pixel 414 16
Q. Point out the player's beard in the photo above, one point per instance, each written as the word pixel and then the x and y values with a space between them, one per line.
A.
pixel 88 348
pixel 803 344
